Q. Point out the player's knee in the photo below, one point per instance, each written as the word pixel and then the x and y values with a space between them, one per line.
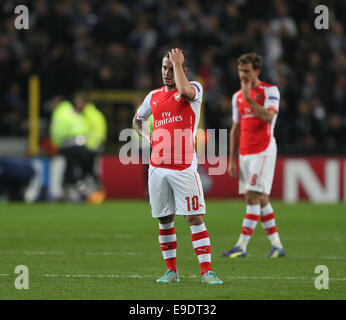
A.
pixel 194 220
pixel 252 197
pixel 166 219
pixel 264 200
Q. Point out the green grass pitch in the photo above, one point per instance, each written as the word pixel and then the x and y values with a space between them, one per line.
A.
pixel 111 251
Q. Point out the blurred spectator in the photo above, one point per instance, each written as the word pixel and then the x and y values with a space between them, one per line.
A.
pixel 79 130
pixel 85 20
pixel 281 29
pixel 318 109
pixel 225 117
pixel 18 180
pixel 95 139
pixel 143 38
pixel 15 111
pixel 307 131
pixel 114 24
pixel 211 102
pixel 339 96
pixel 310 86
pixel 335 132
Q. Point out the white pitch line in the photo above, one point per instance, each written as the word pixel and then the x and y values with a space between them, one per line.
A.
pixel 43 253
pixel 98 276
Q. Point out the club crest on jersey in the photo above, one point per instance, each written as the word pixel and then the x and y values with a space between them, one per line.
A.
pixel 258 96
pixel 177 96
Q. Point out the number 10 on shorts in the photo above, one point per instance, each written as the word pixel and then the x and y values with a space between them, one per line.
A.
pixel 194 201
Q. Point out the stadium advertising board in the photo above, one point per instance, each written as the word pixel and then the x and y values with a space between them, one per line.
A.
pixel 316 179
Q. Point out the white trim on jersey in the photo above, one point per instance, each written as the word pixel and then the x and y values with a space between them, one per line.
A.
pixel 272 101
pixel 272 98
pixel 196 105
pixel 198 90
pixel 235 110
pixel 144 111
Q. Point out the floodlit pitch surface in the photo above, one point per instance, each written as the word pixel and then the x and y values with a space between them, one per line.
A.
pixel 111 251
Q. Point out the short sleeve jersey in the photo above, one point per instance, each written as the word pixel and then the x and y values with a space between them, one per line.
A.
pixel 255 134
pixel 175 125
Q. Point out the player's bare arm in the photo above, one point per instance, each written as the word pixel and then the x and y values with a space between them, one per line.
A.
pixel 141 130
pixel 265 114
pixel 183 85
pixel 234 145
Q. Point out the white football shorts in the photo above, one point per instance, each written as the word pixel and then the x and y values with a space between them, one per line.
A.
pixel 256 171
pixel 175 192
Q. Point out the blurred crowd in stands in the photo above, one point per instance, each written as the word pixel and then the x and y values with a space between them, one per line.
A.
pixel 109 44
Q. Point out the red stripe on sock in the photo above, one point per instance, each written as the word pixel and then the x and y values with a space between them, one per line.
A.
pixel 250 216
pixel 246 231
pixel 203 250
pixel 267 217
pixel 166 232
pixel 200 235
pixel 168 245
pixel 271 230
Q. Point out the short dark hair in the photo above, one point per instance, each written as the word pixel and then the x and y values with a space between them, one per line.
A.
pixel 80 94
pixel 255 59
pixel 166 55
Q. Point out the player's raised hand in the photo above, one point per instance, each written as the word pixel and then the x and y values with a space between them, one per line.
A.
pixel 176 56
pixel 245 89
pixel 233 169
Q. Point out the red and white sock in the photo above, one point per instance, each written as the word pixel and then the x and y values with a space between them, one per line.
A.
pixel 168 244
pixel 268 224
pixel 249 224
pixel 201 244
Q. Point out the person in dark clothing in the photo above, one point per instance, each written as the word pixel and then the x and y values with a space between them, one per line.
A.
pixel 16 175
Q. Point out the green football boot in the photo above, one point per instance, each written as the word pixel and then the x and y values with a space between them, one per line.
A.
pixel 169 276
pixel 211 278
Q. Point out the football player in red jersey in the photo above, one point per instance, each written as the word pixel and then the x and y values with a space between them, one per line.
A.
pixel 255 108
pixel 174 184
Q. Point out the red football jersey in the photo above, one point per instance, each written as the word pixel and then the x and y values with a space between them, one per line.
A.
pixel 175 125
pixel 255 134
